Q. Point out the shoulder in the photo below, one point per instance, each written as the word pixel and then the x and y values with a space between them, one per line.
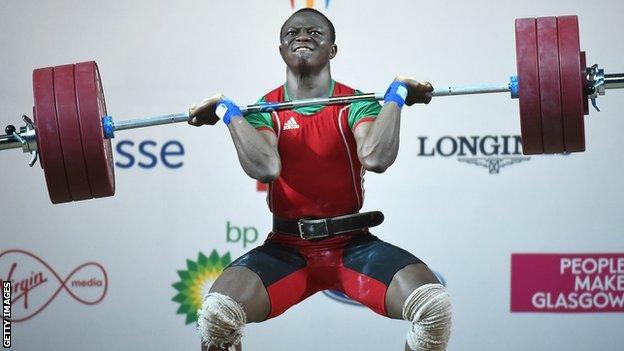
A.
pixel 341 89
pixel 275 95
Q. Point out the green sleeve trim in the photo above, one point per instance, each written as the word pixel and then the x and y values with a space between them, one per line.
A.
pixel 260 119
pixel 361 109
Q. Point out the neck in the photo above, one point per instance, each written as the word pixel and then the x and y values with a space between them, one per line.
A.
pixel 307 85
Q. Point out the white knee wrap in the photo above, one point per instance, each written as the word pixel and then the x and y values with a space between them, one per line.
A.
pixel 220 321
pixel 429 310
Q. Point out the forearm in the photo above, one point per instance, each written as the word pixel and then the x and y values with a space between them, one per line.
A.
pixel 258 158
pixel 380 146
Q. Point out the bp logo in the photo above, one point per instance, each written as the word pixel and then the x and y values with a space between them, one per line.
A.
pixel 195 281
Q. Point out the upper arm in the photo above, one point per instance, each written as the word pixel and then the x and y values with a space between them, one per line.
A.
pixel 361 116
pixel 260 120
pixel 360 131
pixel 263 123
pixel 269 136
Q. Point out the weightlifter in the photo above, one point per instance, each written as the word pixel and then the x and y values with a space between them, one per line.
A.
pixel 314 159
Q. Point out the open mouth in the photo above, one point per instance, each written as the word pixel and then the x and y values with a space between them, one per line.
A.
pixel 302 49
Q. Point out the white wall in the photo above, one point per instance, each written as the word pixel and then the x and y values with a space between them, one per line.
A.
pixel 160 57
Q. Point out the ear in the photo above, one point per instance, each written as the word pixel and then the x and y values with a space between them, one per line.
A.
pixel 334 51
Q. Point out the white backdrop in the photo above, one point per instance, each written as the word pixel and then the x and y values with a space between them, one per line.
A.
pixel 160 57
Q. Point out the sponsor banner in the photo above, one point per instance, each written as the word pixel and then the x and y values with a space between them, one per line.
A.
pixel 567 282
pixel 148 154
pixel 34 284
pixel 195 282
pixel 492 152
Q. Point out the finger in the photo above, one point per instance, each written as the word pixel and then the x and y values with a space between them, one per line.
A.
pixel 213 99
pixel 427 97
pixel 208 101
pixel 214 121
pixel 405 79
pixel 192 110
pixel 411 100
pixel 196 122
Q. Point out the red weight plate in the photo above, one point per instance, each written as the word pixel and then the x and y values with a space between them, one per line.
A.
pixel 48 141
pixel 528 86
pixel 584 74
pixel 549 82
pixel 572 89
pixel 97 150
pixel 69 130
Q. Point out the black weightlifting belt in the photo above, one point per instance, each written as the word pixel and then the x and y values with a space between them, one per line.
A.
pixel 309 229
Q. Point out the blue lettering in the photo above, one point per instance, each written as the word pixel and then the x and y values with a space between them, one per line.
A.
pixel 170 154
pixel 145 152
pixel 178 150
pixel 121 152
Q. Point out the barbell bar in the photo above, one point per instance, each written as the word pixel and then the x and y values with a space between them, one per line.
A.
pixel 110 126
pixel 72 130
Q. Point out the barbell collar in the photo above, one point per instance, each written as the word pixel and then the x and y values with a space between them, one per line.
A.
pixel 599 82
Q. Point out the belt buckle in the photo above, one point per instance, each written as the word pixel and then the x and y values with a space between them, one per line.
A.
pixel 300 225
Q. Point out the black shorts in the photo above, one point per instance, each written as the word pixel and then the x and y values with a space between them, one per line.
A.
pixel 359 265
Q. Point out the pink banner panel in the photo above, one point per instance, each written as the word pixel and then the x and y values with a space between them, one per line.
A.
pixel 567 282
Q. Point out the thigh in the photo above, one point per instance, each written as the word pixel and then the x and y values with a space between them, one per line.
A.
pixel 279 279
pixel 370 267
pixel 245 287
pixel 403 284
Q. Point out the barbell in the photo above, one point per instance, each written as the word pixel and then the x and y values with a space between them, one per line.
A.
pixel 72 131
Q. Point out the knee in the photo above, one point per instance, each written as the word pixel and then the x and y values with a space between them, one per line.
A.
pixel 220 321
pixel 429 310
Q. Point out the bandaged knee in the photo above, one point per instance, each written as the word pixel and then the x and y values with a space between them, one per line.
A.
pixel 429 310
pixel 220 321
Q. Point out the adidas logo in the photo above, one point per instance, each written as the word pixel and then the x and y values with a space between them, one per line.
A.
pixel 291 124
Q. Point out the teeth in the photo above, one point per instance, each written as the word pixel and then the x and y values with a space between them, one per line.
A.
pixel 300 49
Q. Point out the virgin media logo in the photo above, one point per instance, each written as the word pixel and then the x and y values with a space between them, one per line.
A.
pixel 567 282
pixel 35 284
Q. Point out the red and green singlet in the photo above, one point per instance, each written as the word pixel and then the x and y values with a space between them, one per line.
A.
pixel 321 174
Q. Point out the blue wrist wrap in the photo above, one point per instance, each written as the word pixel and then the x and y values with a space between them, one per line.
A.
pixel 397 92
pixel 226 109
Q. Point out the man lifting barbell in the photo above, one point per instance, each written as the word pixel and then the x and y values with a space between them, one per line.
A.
pixel 71 130
pixel 313 159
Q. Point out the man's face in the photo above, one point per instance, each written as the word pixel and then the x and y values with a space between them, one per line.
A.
pixel 305 42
